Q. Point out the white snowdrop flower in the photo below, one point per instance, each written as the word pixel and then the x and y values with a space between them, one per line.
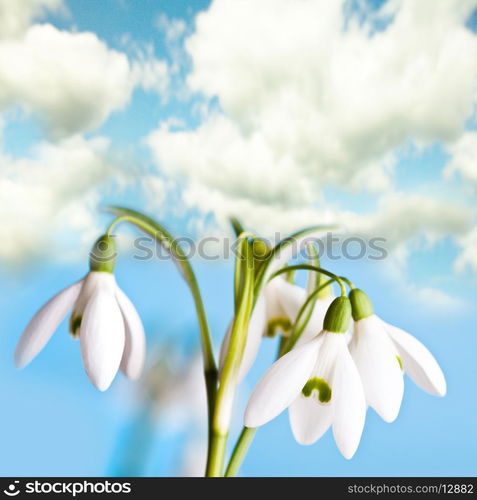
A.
pixel 108 326
pixel 319 383
pixel 382 352
pixel 277 306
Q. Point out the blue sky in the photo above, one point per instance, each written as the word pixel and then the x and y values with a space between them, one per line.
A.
pixel 322 113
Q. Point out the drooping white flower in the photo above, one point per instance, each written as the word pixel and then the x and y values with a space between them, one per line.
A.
pixel 319 383
pixel 382 352
pixel 108 326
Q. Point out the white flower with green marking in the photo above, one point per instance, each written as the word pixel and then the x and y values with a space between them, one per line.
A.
pixel 319 383
pixel 382 353
pixel 103 318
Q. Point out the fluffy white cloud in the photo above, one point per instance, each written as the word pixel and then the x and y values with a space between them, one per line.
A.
pixel 333 100
pixel 16 15
pixel 73 81
pixel 306 102
pixel 54 192
pixel 314 94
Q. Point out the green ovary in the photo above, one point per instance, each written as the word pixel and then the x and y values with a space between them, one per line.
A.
pixel 321 386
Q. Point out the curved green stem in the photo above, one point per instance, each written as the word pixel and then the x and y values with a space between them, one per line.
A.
pixel 267 265
pixel 308 267
pixel 166 240
pixel 348 282
pixel 302 319
pixel 240 451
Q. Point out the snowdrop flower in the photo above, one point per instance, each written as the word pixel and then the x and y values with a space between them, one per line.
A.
pixel 268 316
pixel 108 326
pixel 319 383
pixel 382 352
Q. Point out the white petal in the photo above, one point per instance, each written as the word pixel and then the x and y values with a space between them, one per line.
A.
pixel 256 328
pixel 349 405
pixel 281 384
pixel 309 420
pixel 375 357
pixel 418 362
pixel 132 362
pixel 91 284
pixel 315 323
pixel 102 338
pixel 273 304
pixel 290 297
pixel 42 326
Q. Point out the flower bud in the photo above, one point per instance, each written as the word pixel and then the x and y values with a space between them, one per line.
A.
pixel 103 255
pixel 360 304
pixel 338 316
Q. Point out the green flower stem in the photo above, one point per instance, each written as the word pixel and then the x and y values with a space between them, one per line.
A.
pixel 164 238
pixel 264 271
pixel 240 451
pixel 308 267
pixel 216 454
pixel 248 433
pixel 228 377
pixel 302 318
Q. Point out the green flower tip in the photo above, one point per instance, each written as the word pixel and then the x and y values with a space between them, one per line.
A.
pixel 103 255
pixel 360 304
pixel 338 316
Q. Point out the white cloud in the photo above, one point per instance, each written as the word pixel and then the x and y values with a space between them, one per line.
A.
pixel 306 103
pixel 173 29
pixel 149 72
pixel 400 217
pixel 51 195
pixel 309 96
pixel 73 81
pixel 334 100
pixel 464 159
pixel 467 259
pixel 16 15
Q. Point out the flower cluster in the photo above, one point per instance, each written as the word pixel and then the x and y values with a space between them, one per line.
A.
pixel 336 356
pixel 330 381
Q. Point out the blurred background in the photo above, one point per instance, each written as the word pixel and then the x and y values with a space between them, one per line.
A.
pixel 285 113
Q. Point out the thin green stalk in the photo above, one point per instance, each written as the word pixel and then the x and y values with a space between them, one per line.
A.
pixel 240 451
pixel 308 267
pixel 228 377
pixel 216 454
pixel 302 319
pixel 266 269
pixel 167 241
